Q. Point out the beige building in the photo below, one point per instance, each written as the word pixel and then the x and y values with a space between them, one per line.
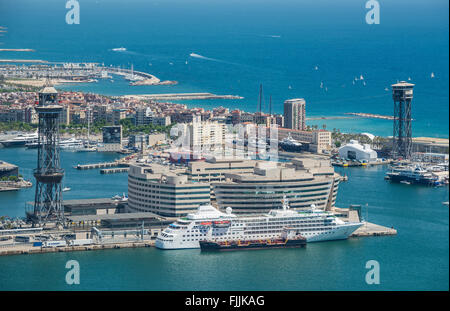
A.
pixel 304 182
pixel 213 169
pixel 319 140
pixel 158 189
pixel 202 135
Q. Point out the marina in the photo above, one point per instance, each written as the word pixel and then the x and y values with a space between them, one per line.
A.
pixel 342 190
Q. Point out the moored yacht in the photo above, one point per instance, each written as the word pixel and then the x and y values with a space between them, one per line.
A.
pixel 291 145
pixel 20 140
pixel 412 175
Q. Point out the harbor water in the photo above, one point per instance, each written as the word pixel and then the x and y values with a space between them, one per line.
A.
pixel 417 258
pixel 316 50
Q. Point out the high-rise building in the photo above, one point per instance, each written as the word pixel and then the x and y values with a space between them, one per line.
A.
pixel 294 114
pixel 402 94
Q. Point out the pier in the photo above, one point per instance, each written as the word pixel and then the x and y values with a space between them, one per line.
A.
pixel 114 170
pixel 371 229
pixel 28 248
pixel 97 165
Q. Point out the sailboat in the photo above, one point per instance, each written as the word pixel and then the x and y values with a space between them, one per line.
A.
pixel 87 147
pixel 432 75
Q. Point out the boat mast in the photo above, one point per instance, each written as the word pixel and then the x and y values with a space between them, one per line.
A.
pixel 89 125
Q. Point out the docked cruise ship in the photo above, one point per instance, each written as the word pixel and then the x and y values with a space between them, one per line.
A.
pixel 210 224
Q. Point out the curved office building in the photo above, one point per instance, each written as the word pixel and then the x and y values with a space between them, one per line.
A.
pixel 164 192
pixel 304 182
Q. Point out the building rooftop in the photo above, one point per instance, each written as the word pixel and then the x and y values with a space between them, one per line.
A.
pixel 4 166
pixel 120 216
pixel 48 90
pixel 403 84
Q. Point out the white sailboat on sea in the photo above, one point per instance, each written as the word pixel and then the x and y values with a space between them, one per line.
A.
pixel 432 75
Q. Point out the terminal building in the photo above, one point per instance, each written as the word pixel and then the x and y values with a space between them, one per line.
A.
pixel 355 151
pixel 163 191
pixel 248 186
pixel 304 182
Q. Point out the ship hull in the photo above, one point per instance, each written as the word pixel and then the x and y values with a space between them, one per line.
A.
pixel 338 233
pixel 420 181
pixel 9 144
pixel 292 148
pixel 213 246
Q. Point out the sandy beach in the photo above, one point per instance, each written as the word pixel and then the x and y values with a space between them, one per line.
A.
pixel 41 82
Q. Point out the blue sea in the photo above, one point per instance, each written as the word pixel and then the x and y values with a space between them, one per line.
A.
pixel 417 258
pixel 242 44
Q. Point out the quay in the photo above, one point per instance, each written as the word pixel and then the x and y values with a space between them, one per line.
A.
pixel 2 188
pixel 114 170
pixel 29 249
pixel 355 163
pixel 371 229
pixel 370 115
pixel 100 165
pixel 367 230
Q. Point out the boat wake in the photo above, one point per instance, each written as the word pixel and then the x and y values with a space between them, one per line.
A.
pixel 121 49
pixel 194 55
pixel 198 56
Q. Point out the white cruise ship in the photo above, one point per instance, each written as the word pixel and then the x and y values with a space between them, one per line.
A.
pixel 210 224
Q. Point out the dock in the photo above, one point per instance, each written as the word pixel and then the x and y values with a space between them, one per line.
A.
pixel 98 165
pixel 371 229
pixel 114 170
pixel 29 249
pixel 2 188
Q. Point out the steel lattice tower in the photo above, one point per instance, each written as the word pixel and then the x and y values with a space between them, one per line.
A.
pixel 402 93
pixel 48 174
